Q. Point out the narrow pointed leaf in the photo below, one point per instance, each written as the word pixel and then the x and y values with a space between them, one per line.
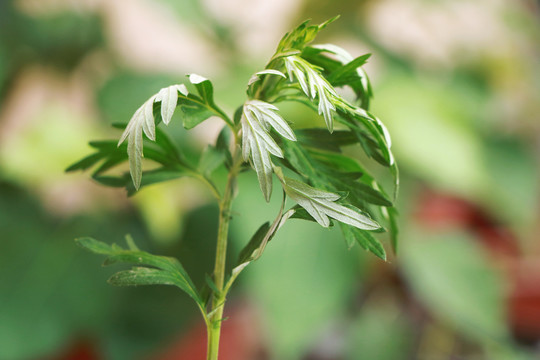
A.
pixel 257 143
pixel 321 205
pixel 364 239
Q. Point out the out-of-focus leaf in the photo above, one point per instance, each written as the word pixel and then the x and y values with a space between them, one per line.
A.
pixel 301 36
pixel 86 162
pixel 111 181
pixel 210 160
pixel 156 176
pixel 381 331
pixel 452 277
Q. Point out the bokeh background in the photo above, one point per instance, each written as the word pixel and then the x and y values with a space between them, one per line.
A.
pixel 456 82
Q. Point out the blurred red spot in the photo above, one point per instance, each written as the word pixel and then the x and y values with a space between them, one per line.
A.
pixel 80 350
pixel 524 301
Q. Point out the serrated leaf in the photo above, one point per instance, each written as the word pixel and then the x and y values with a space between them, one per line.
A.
pixel 257 144
pixel 357 80
pixel 195 110
pixel 364 239
pixel 257 76
pixel 163 270
pixel 301 214
pixel 314 85
pixel 348 71
pixel 335 172
pixel 301 36
pixel 321 205
pixel 169 98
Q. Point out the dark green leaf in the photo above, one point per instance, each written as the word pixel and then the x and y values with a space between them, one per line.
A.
pixel 156 176
pixel 367 193
pixel 204 88
pixel 339 162
pixel 86 162
pixel 95 246
pixel 113 160
pixel 246 254
pixel 355 78
pixel 322 139
pixel 112 181
pixel 394 229
pixel 347 72
pixel 210 160
pixel 364 238
pixel 194 113
pixel 170 272
pixel 211 284
pixel 222 144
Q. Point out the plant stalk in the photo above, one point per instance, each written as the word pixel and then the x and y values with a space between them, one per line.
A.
pixel 218 300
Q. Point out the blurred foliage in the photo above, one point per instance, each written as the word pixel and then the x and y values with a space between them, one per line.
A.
pixel 468 129
pixel 61 40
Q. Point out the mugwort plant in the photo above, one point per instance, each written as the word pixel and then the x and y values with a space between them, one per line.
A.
pixel 326 185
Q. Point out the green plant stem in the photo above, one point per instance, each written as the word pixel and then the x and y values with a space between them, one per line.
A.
pixel 218 300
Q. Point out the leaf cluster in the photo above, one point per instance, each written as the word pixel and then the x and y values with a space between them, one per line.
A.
pixel 312 165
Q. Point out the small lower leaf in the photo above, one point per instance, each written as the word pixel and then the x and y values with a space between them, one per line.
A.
pixel 246 254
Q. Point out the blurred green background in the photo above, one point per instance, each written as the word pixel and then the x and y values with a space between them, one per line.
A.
pixel 456 82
